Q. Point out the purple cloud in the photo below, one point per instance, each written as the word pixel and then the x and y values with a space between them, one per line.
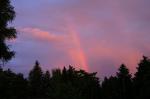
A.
pixel 97 34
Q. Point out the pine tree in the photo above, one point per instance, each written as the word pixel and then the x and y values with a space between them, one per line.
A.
pixel 7 14
pixel 109 88
pixel 142 79
pixel 124 83
pixel 35 81
pixel 46 84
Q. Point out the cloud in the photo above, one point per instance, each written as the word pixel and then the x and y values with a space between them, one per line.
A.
pixel 96 35
pixel 40 35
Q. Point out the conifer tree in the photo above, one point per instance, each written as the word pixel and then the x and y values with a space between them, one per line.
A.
pixel 142 79
pixel 124 83
pixel 7 15
pixel 35 81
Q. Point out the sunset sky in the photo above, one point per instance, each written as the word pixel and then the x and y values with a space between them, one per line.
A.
pixel 94 35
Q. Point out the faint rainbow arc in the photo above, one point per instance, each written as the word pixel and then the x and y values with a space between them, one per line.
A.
pixel 79 51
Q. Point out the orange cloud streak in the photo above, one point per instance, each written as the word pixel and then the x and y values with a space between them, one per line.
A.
pixel 36 33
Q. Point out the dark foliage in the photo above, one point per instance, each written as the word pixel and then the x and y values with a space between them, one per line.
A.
pixel 12 86
pixel 7 14
pixel 69 83
pixel 142 79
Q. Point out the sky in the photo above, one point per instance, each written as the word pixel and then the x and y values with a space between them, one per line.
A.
pixel 94 35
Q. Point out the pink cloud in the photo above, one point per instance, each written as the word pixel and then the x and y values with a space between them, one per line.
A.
pixel 67 43
pixel 115 31
pixel 41 35
pixel 118 54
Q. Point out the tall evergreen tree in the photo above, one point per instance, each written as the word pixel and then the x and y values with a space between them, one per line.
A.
pixel 124 83
pixel 118 87
pixel 142 79
pixel 12 86
pixel 35 81
pixel 109 88
pixel 7 14
pixel 46 84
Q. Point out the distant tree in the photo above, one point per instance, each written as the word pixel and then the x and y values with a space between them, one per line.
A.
pixel 142 79
pixel 124 83
pixel 46 84
pixel 8 84
pixel 58 88
pixel 118 87
pixel 88 84
pixel 12 86
pixel 35 81
pixel 18 87
pixel 109 88
pixel 56 73
pixel 64 74
pixel 21 87
pixel 7 14
pixel 3 84
pixel 74 84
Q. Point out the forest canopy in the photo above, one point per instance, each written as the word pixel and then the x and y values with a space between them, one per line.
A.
pixel 69 83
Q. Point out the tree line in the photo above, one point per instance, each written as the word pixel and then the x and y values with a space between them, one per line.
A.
pixel 69 83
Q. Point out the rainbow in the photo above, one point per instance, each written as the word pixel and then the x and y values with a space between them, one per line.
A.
pixel 77 52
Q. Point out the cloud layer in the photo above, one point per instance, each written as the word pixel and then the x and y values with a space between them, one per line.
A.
pixel 95 35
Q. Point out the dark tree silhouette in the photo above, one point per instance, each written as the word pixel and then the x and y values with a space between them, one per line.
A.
pixel 124 83
pixel 61 86
pixel 142 79
pixel 46 84
pixel 119 87
pixel 35 81
pixel 109 88
pixel 70 83
pixel 74 84
pixel 7 14
pixel 12 86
